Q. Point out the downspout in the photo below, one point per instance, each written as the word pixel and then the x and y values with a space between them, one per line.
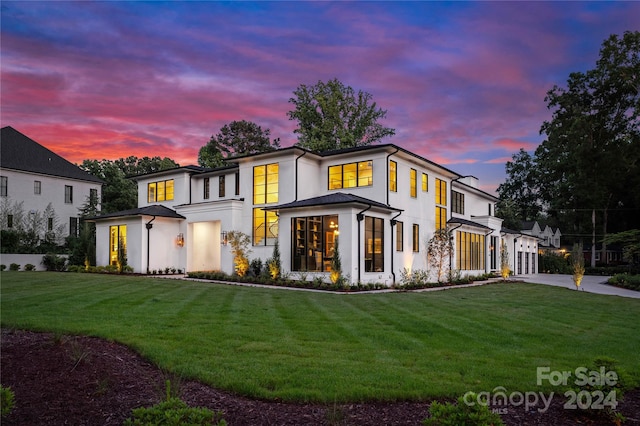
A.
pixel 297 158
pixel 149 225
pixel 486 270
pixel 451 239
pixel 360 218
pixel 393 223
pixel 515 265
pixel 387 160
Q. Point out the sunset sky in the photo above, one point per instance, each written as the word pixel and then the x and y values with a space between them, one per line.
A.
pixel 463 83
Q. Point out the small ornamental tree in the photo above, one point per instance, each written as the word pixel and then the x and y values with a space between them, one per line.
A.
pixel 504 262
pixel 239 242
pixel 336 263
pixel 439 252
pixel 274 264
pixel 577 264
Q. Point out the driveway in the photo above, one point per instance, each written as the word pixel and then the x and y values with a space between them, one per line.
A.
pixel 590 283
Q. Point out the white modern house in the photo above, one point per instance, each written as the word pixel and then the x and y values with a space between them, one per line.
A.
pixel 36 182
pixel 382 202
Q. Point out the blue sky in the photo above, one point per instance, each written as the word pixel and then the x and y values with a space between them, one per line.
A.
pixel 463 83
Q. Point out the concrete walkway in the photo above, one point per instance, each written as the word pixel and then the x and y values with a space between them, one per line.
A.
pixel 590 283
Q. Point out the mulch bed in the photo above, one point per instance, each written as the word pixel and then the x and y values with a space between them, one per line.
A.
pixel 75 380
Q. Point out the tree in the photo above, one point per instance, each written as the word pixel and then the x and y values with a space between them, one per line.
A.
pixel 240 242
pixel 332 116
pixel 236 138
pixel 274 264
pixel 439 251
pixel 505 270
pixel 336 263
pixel 519 198
pixel 630 242
pixel 577 265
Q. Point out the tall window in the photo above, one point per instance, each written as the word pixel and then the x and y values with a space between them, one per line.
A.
pixel 4 181
pixel 117 244
pixel 9 221
pixel 416 237
pixel 237 183
pixel 393 176
pixel 68 194
pixel 457 202
pixel 441 217
pixel 207 188
pixel 399 236
pixel 265 184
pixel 160 191
pixel 494 252
pixel 413 183
pixel 265 227
pixel 470 251
pixel 374 244
pixel 313 242
pixel 351 175
pixel 425 182
pixel 37 187
pixel 221 186
pixel 441 199
pixel 93 196
pixel 73 226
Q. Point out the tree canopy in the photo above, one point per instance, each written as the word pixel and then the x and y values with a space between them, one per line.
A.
pixel 234 139
pixel 333 116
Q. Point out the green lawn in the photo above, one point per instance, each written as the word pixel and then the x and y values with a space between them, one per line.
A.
pixel 306 346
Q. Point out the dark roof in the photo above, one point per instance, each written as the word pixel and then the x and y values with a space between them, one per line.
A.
pixel 154 210
pixel 335 198
pixel 529 225
pixel 509 231
pixel 466 222
pixel 19 152
pixel 186 169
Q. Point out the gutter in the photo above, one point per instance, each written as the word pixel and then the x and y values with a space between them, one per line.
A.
pixel 360 218
pixel 296 172
pixel 149 225
pixel 393 223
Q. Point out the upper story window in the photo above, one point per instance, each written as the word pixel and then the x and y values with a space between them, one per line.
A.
pixel 37 187
pixel 221 186
pixel 265 184
pixel 457 202
pixel 393 176
pixel 413 183
pixel 441 192
pixel 4 181
pixel 93 195
pixel 160 191
pixel 351 175
pixel 207 188
pixel 425 182
pixel 237 183
pixel 441 217
pixel 68 194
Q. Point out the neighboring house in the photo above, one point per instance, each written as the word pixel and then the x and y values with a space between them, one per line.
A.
pixel 522 250
pixel 37 185
pixel 549 237
pixel 382 202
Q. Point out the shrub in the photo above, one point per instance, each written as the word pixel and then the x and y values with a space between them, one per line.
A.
pixel 631 282
pixel 461 414
pixel 14 267
pixel 7 400
pixel 29 267
pixel 3 267
pixel 174 412
pixel 552 263
pixel 53 262
pixel 255 267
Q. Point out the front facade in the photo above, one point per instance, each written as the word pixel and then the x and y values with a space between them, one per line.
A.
pixel 381 203
pixel 39 187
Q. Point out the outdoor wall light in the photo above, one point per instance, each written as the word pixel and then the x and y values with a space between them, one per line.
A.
pixel 223 238
pixel 180 240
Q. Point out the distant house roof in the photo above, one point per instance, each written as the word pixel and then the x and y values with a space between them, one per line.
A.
pixel 466 222
pixel 153 210
pixel 19 152
pixel 335 198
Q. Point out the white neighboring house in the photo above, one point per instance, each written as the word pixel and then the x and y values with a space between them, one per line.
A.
pixel 35 177
pixel 382 202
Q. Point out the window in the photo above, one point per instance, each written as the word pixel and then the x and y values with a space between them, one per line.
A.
pixel 441 192
pixel 425 182
pixel 494 252
pixel 399 236
pixel 470 251
pixel 93 196
pixel 50 224
pixel 265 184
pixel 160 191
pixel 351 175
pixel 265 227
pixel 393 176
pixel 441 217
pixel 413 183
pixel 374 244
pixel 237 183
pixel 3 185
pixel 207 189
pixel 490 209
pixel 73 226
pixel 37 187
pixel 221 186
pixel 416 237
pixel 457 202
pixel 68 194
pixel 313 242
pixel 9 221
pixel 118 245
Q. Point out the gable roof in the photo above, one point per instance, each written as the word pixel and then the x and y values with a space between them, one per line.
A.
pixel 19 152
pixel 332 199
pixel 153 210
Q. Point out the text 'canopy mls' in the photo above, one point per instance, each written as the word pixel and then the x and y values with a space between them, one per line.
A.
pixel 333 116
